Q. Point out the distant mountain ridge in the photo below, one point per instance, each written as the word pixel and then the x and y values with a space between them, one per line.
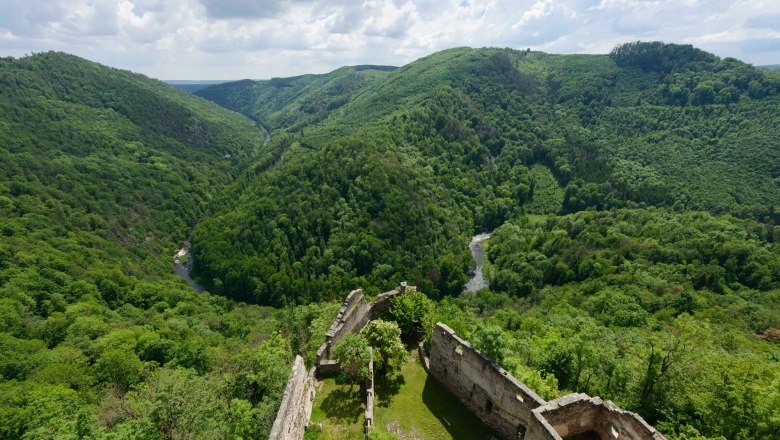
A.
pixel 300 100
pixel 193 86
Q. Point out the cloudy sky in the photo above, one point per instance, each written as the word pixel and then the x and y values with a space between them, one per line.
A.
pixel 234 39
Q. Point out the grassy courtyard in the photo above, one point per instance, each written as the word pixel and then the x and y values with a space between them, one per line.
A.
pixel 410 405
pixel 338 412
pixel 417 407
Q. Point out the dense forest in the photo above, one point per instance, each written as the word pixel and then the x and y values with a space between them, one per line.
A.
pixel 632 196
pixel 103 174
pixel 664 310
pixel 390 185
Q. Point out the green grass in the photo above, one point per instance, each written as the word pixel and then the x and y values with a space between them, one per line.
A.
pixel 415 406
pixel 338 412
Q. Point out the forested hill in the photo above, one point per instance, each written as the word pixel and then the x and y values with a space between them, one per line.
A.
pixel 103 172
pixel 379 175
pixel 390 183
pixel 295 102
pixel 109 150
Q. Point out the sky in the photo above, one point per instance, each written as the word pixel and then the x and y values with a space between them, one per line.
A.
pixel 236 39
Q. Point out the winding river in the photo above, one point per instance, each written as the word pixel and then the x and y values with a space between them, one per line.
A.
pixel 477 280
pixel 183 270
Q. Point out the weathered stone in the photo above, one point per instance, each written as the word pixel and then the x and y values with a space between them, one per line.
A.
pixel 295 410
pixel 487 390
pixel 369 415
pixel 354 315
pixel 575 414
pixel 516 412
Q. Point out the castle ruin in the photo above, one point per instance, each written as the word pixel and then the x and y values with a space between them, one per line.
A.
pixel 494 396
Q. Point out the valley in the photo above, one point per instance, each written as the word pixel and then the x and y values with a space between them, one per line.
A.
pixel 634 255
pixel 477 280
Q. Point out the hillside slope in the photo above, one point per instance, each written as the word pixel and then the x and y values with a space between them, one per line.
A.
pixel 390 185
pixel 103 173
pixel 293 103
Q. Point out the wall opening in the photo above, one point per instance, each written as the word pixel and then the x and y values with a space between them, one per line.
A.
pixel 520 432
pixel 489 406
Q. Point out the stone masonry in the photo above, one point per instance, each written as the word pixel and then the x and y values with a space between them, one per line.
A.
pixel 354 314
pixel 487 390
pixel 513 410
pixel 295 410
pixel 579 413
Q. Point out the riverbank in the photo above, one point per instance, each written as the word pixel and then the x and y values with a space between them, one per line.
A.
pixel 183 270
pixel 478 279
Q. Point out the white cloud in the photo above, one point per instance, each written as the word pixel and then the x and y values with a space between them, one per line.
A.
pixel 232 39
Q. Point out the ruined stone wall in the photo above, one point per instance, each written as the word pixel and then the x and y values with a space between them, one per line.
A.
pixel 355 313
pixel 382 301
pixel 369 415
pixel 499 400
pixel 575 414
pixel 513 410
pixel 487 390
pixel 353 316
pixel 295 410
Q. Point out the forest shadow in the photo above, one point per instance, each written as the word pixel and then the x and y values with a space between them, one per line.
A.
pixel 452 415
pixel 387 388
pixel 343 405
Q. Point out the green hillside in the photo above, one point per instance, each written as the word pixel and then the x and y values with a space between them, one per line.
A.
pixel 392 183
pixel 633 199
pixel 293 103
pixel 653 278
pixel 104 172
pixel 664 313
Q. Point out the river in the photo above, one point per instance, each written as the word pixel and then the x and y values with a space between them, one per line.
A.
pixel 183 271
pixel 477 280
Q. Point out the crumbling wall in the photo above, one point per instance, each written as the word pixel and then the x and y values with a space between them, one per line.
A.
pixel 487 390
pixel 355 313
pixel 369 415
pixel 575 414
pixel 295 410
pixel 382 301
pixel 513 410
pixel 353 316
pixel 499 400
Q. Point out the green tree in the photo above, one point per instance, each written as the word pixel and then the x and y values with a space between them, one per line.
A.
pixel 120 367
pixel 385 338
pixel 354 356
pixel 412 311
pixel 491 341
pixel 173 404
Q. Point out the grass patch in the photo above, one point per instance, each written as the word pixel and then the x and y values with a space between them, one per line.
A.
pixel 338 412
pixel 416 406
